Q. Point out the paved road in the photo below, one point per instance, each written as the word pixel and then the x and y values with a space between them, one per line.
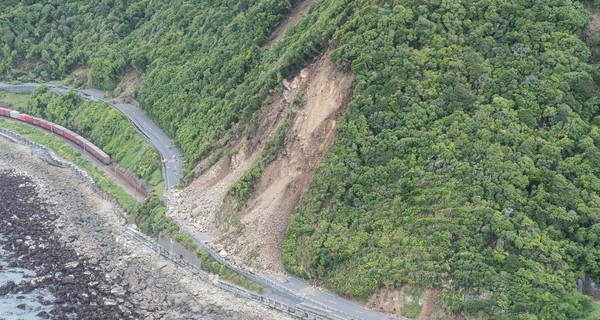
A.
pixel 290 290
pixel 170 155
pixel 296 292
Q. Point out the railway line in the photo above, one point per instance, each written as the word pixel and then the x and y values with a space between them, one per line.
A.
pixel 291 295
pixel 102 161
pixel 170 155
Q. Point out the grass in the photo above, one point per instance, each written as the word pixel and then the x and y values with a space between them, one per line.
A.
pixel 108 129
pixel 411 310
pixel 15 100
pixel 67 152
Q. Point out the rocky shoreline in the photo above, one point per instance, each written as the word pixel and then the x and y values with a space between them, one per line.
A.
pixel 59 227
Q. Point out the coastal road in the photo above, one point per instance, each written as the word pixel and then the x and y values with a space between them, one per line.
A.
pixel 288 290
pixel 297 292
pixel 169 153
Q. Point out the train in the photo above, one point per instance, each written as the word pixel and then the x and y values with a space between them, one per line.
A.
pixel 59 130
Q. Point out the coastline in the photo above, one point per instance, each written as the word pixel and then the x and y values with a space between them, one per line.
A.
pixel 78 249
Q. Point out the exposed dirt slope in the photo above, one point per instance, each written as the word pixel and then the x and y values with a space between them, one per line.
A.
pixel 388 301
pixel 267 214
pixel 297 13
pixel 198 204
pixel 594 18
pixel 265 218
pixel 428 310
pixel 82 75
pixel 393 302
pixel 128 85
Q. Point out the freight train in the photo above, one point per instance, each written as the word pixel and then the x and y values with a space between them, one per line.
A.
pixel 59 130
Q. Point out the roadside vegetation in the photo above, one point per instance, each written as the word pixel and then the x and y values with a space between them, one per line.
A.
pixel 104 126
pixel 15 101
pixel 149 216
pixel 469 158
pixel 65 151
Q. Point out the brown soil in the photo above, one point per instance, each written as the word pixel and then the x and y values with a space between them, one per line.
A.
pixel 392 301
pixel 388 301
pixel 267 214
pixel 298 12
pixel 84 75
pixel 198 204
pixel 129 84
pixel 431 296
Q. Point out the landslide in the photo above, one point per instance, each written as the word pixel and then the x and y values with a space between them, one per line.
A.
pixel 467 160
pixel 321 93
pixel 252 231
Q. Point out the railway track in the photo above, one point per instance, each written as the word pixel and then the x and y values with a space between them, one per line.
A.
pixel 289 297
pixel 171 157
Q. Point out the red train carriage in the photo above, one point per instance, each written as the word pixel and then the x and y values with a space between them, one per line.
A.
pixel 45 124
pixel 99 154
pixel 79 140
pixel 4 112
pixel 60 130
pixel 25 118
pixel 73 137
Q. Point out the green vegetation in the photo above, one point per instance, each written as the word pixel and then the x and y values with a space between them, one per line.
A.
pixel 67 152
pixel 104 126
pixel 242 189
pixel 151 219
pixel 469 158
pixel 15 101
pixel 411 310
pixel 210 265
pixel 197 56
pixel 595 314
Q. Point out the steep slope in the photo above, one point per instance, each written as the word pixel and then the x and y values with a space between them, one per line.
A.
pixel 298 12
pixel 467 160
pixel 264 218
pixel 317 97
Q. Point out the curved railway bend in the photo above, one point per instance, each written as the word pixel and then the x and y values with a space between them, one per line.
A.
pixel 170 155
pixel 292 291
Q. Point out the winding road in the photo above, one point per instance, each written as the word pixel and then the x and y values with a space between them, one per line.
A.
pixel 290 290
pixel 169 153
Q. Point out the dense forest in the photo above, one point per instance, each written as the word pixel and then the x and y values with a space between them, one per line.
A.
pixel 468 159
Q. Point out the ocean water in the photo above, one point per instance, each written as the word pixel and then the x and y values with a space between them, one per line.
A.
pixel 20 306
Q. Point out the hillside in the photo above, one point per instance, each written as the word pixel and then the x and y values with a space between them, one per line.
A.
pixel 467 161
